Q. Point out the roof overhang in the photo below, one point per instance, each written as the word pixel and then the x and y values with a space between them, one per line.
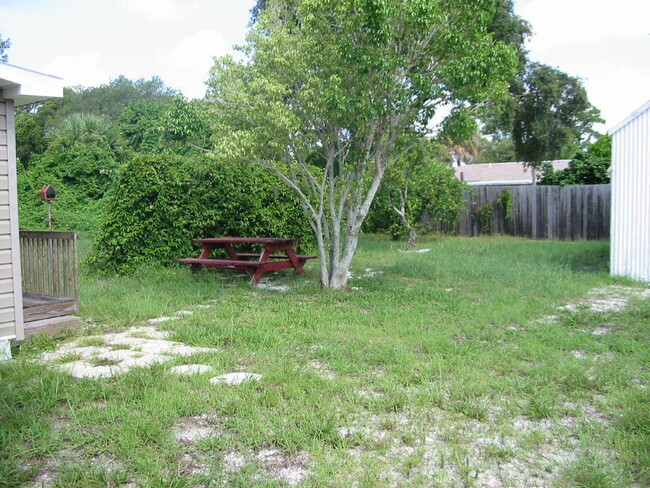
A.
pixel 25 86
pixel 629 118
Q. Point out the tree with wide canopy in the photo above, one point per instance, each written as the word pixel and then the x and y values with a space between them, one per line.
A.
pixel 326 87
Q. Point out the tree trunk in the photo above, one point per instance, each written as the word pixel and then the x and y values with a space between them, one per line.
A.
pixel 413 235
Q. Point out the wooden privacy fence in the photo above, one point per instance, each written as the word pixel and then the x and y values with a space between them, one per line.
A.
pixel 577 212
pixel 49 263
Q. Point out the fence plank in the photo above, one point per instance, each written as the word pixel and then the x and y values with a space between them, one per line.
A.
pixel 577 212
pixel 49 263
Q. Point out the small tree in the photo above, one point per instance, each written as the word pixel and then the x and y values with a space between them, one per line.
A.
pixel 418 184
pixel 343 79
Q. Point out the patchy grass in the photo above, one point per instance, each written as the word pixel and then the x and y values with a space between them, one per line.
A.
pixel 444 370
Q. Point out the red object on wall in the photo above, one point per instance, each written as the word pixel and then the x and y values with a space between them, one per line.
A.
pixel 48 193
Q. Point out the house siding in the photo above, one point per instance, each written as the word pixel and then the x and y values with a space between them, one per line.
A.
pixel 10 303
pixel 630 236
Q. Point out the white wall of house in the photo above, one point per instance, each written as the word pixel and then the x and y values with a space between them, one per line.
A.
pixel 18 86
pixel 630 232
pixel 11 312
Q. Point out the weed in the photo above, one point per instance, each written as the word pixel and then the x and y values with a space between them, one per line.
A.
pixel 98 361
pixel 484 384
pixel 93 341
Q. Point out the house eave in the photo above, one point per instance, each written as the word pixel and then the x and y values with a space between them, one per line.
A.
pixel 25 86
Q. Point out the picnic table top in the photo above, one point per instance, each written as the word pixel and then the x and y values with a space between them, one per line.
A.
pixel 246 240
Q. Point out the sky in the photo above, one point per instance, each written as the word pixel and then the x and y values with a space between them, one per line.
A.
pixel 90 42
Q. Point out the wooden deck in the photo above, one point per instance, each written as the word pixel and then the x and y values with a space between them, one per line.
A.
pixel 50 280
pixel 48 314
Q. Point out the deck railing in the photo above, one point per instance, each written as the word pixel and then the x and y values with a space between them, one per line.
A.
pixel 49 263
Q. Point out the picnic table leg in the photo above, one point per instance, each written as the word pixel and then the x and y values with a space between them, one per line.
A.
pixel 231 251
pixel 294 260
pixel 257 276
pixel 205 252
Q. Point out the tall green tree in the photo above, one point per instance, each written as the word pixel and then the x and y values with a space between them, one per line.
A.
pixel 552 115
pixel 4 45
pixel 344 79
pixel 107 100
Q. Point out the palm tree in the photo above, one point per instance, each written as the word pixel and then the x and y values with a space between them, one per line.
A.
pixel 87 129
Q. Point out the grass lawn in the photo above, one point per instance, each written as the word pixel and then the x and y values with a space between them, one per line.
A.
pixel 438 369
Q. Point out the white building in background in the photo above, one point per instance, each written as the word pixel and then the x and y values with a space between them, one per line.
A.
pixel 630 232
pixel 502 173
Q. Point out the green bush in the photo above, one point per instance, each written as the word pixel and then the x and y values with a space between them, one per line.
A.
pixel 435 196
pixel 81 175
pixel 589 167
pixel 159 203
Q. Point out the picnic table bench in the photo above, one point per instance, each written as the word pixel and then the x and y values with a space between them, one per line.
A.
pixel 278 254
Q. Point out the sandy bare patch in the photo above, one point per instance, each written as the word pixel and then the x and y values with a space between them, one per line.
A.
pixel 321 370
pixel 47 474
pixel 235 379
pixel 370 273
pixel 190 430
pixel 268 286
pixel 450 450
pixel 414 251
pixel 599 331
pixel 274 463
pixel 608 299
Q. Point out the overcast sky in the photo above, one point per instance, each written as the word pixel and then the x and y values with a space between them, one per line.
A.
pixel 89 42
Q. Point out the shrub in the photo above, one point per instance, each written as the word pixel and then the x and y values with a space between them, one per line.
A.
pixel 80 174
pixel 160 202
pixel 589 167
pixel 435 196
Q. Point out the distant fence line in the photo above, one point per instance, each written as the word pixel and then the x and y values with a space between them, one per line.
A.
pixel 579 212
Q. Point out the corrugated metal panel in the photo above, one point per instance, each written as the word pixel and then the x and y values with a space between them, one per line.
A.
pixel 630 234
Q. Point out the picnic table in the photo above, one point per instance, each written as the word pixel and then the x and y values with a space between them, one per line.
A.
pixel 278 254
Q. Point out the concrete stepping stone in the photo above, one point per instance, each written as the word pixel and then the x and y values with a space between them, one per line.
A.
pixel 235 378
pixel 116 353
pixel 190 369
pixel 162 319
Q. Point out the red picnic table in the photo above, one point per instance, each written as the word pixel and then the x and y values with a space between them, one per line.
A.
pixel 278 254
